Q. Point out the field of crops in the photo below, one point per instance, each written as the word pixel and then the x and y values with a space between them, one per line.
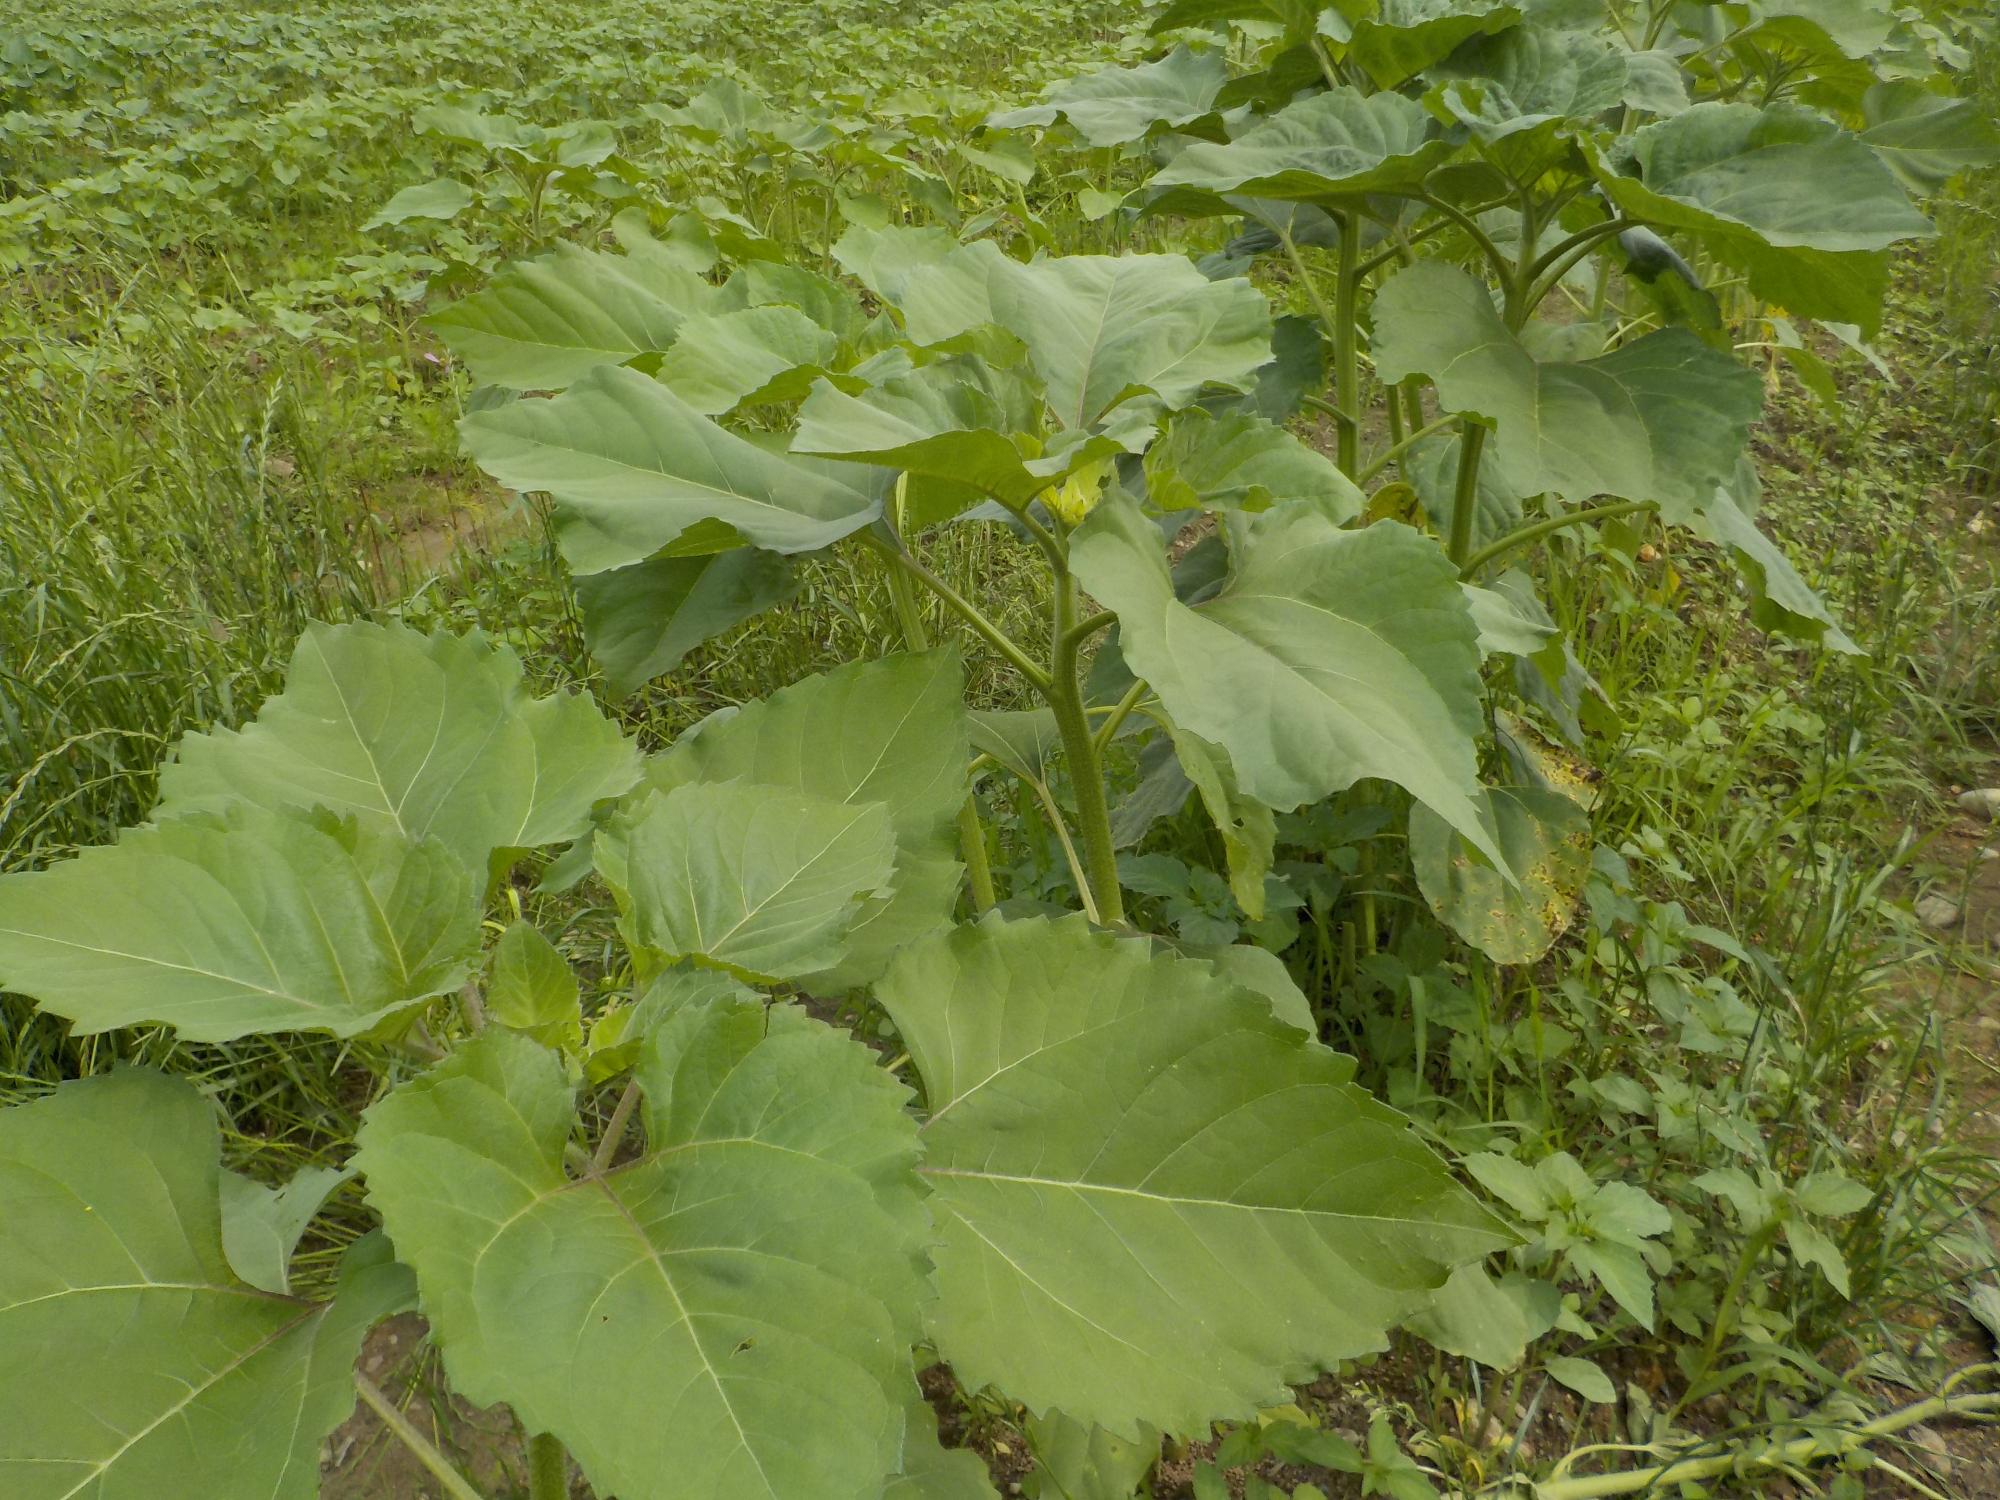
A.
pixel 843 750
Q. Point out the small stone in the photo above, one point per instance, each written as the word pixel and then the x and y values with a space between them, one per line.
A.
pixel 1981 802
pixel 1939 913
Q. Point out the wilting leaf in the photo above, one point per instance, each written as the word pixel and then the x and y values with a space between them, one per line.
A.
pixel 138 1362
pixel 1544 838
pixel 727 1315
pixel 1096 1254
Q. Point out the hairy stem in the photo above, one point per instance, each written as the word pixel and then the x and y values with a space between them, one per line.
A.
pixel 615 1128
pixel 1093 813
pixel 1404 444
pixel 1346 353
pixel 405 1432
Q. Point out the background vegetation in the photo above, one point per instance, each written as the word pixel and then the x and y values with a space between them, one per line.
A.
pixel 221 416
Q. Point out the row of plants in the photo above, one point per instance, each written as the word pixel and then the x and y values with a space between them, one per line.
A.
pixel 1293 716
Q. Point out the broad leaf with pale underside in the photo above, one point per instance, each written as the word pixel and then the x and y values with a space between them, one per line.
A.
pixel 761 881
pixel 1333 146
pixel 1328 656
pixel 1403 37
pixel 1117 105
pixel 416 735
pixel 264 920
pixel 635 471
pixel 1155 1202
pixel 1241 462
pixel 1663 418
pixel 893 732
pixel 543 323
pixel 138 1364
pixel 725 1316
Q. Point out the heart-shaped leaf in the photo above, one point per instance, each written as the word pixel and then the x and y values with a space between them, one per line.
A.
pixel 138 1362
pixel 726 1316
pixel 1117 105
pixel 1328 656
pixel 266 920
pixel 1334 146
pixel 1155 1201
pixel 422 736
pixel 1242 462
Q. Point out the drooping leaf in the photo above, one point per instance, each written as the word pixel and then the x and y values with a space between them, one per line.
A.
pixel 1100 327
pixel 1248 829
pixel 1846 28
pixel 1116 105
pixel 1333 146
pixel 1782 602
pixel 531 988
pixel 953 420
pixel 1404 37
pixel 266 920
pixel 724 360
pixel 1663 418
pixel 891 731
pixel 1928 138
pixel 139 1364
pixel 1155 1202
pixel 727 1316
pixel 1804 208
pixel 1076 1461
pixel 635 470
pixel 540 324
pixel 1242 462
pixel 1328 656
pixel 1545 840
pixel 761 881
pixel 1476 1317
pixel 1505 627
pixel 417 735
pixel 639 621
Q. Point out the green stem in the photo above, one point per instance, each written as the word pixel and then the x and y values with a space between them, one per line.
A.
pixel 1093 813
pixel 401 1428
pixel 614 1130
pixel 1465 500
pixel 1778 1457
pixel 1478 236
pixel 1397 449
pixel 1346 351
pixel 1527 535
pixel 966 610
pixel 1119 715
pixel 1551 268
pixel 971 832
pixel 1084 629
pixel 548 1468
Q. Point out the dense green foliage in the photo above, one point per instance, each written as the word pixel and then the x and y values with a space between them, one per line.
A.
pixel 1316 388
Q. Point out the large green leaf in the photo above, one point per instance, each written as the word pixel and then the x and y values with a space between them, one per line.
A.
pixel 1328 656
pixel 1663 418
pixel 891 731
pixel 1403 37
pixel 1928 138
pixel 1100 327
pixel 932 1471
pixel 639 621
pixel 726 1316
pixel 1801 206
pixel 953 419
pixel 1524 93
pixel 1241 462
pixel 1155 1202
pixel 761 881
pixel 1334 146
pixel 1546 840
pixel 746 356
pixel 138 1365
pixel 264 920
pixel 634 470
pixel 418 735
pixel 1117 105
pixel 542 323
